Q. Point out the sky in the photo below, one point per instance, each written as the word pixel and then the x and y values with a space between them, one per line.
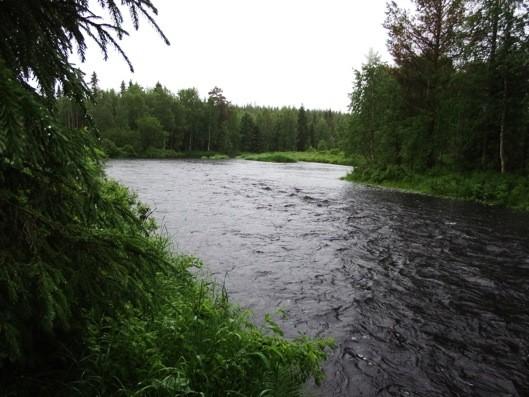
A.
pixel 271 53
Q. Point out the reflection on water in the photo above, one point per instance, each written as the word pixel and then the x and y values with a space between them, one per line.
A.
pixel 424 297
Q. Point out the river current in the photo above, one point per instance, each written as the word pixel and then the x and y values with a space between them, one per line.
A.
pixel 423 296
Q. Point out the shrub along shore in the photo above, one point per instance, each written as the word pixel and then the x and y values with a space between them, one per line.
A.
pixel 491 188
pixel 327 157
pixel 314 156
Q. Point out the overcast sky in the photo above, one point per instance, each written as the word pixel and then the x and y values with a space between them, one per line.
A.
pixel 264 52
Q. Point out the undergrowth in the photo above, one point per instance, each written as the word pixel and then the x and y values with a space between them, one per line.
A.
pixel 273 157
pixel 128 151
pixel 490 188
pixel 329 157
pixel 194 342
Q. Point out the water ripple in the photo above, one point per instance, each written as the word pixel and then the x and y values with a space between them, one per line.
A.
pixel 425 297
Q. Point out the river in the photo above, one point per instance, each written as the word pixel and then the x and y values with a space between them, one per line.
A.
pixel 423 296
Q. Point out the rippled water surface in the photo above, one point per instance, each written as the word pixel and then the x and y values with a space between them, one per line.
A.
pixel 424 296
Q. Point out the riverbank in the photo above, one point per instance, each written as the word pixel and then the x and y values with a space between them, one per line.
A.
pixel 326 157
pixel 511 191
pixel 152 153
pixel 137 321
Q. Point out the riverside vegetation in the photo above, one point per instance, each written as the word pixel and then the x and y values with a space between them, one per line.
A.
pixel 449 117
pixel 333 156
pixel 92 300
pixel 483 187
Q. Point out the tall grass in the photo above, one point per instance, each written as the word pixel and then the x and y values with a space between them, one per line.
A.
pixel 186 340
pixel 193 342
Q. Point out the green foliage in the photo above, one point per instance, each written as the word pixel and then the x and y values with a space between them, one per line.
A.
pixel 38 37
pixel 156 118
pixel 457 97
pixel 485 187
pixel 250 134
pixel 92 301
pixel 193 342
pixel 330 157
pixel 70 241
pixel 274 157
pixel 302 136
pixel 151 133
pixel 375 103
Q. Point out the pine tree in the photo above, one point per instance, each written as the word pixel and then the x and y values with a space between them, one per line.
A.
pixel 302 130
pixel 38 37
pixel 122 87
pixel 218 115
pixel 249 133
pixel 71 244
pixel 94 84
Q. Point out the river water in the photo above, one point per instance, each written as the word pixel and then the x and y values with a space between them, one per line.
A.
pixel 424 296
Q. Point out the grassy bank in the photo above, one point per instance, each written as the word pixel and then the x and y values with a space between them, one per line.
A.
pixel 328 157
pixel 152 153
pixel 484 187
pixel 144 325
pixel 192 342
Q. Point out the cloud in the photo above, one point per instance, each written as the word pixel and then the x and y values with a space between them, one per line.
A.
pixel 273 52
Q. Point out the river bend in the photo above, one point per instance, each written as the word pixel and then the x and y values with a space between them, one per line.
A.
pixel 424 296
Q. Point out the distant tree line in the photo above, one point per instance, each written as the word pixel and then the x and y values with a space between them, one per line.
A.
pixel 457 95
pixel 136 120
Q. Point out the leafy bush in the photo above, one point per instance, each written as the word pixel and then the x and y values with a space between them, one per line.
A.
pixel 127 151
pixel 157 153
pixel 219 157
pixel 274 157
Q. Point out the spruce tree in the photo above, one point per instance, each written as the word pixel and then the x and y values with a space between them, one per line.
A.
pixel 72 246
pixel 94 84
pixel 122 87
pixel 302 130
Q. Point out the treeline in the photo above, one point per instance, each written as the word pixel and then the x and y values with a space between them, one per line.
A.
pixel 457 96
pixel 139 121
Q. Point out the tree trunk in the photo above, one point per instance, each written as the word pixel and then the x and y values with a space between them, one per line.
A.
pixel 507 44
pixel 502 126
pixel 484 145
pixel 492 80
pixel 525 152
